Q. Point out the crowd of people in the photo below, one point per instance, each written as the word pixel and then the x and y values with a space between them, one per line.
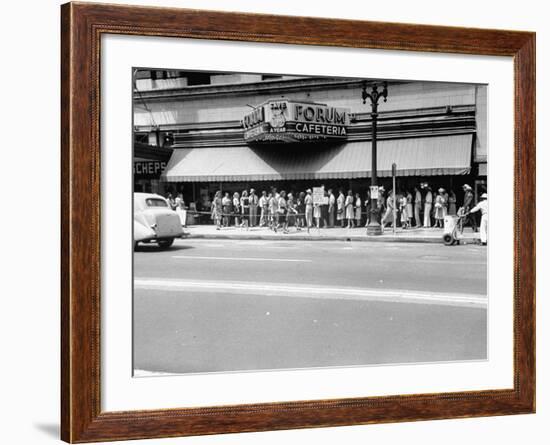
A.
pixel 278 210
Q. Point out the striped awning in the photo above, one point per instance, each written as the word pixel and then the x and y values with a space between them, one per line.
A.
pixel 428 156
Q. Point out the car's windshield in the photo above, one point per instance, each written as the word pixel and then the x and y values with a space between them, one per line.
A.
pixel 155 202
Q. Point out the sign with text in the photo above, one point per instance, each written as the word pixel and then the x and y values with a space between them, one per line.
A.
pixel 318 195
pixel 148 169
pixel 374 192
pixel 289 121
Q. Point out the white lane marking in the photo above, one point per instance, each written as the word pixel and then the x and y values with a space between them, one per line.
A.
pixel 190 257
pixel 320 292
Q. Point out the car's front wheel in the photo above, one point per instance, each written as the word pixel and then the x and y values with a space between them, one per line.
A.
pixel 165 243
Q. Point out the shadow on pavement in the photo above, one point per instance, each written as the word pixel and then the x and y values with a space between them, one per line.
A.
pixel 49 429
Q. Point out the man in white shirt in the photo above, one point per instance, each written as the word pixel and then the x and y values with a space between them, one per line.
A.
pixel 331 208
pixel 428 209
pixel 253 202
pixel 263 203
pixel 417 207
pixel 483 207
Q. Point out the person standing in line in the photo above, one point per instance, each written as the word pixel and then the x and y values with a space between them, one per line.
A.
pixel 217 209
pixel 324 208
pixel 439 209
pixel 417 207
pixel 452 203
pixel 340 208
pixel 237 208
pixel 317 214
pixel 404 215
pixel 245 209
pixel 381 202
pixel 171 201
pixel 367 204
pixel 349 210
pixel 264 208
pixel 409 198
pixel 358 209
pixel 253 202
pixel 226 208
pixel 398 202
pixel 468 204
pixel 290 207
pixel 483 207
pixel 388 215
pixel 291 213
pixel 301 211
pixel 283 212
pixel 331 208
pixel 181 210
pixel 308 202
pixel 428 208
pixel 445 202
pixel 273 207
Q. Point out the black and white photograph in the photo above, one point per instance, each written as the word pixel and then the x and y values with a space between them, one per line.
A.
pixel 285 222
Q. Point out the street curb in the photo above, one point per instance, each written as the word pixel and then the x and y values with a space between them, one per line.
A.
pixel 391 239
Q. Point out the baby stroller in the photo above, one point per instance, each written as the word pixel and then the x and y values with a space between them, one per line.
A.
pixel 452 228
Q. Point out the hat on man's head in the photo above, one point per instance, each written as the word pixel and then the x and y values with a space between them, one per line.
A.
pixel 467 187
pixel 308 191
pixel 441 190
pixel 484 196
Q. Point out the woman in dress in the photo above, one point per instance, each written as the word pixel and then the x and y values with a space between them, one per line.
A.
pixel 403 211
pixel 217 209
pixel 358 209
pixel 439 209
pixel 308 202
pixel 236 208
pixel 340 208
pixel 408 194
pixel 245 209
pixel 367 204
pixel 317 214
pixel 171 201
pixel 349 209
pixel 291 211
pixel 452 203
pixel 388 212
pixel 273 206
pixel 181 210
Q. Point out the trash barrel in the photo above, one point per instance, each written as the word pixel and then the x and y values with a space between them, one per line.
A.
pixel 449 224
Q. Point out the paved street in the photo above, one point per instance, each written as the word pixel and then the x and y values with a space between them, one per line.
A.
pixel 228 305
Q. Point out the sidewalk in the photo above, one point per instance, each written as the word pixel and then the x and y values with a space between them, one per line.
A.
pixel 334 234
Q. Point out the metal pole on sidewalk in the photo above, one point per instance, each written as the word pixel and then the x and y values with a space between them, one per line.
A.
pixel 374 227
pixel 393 173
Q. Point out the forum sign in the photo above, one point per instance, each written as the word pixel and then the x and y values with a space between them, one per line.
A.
pixel 288 121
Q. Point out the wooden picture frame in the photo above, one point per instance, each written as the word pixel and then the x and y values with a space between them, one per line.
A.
pixel 82 26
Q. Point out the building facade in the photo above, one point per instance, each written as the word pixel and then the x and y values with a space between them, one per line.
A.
pixel 233 132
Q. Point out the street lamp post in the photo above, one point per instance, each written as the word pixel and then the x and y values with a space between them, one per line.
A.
pixel 374 227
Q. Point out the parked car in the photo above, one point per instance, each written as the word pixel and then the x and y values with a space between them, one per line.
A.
pixel 155 221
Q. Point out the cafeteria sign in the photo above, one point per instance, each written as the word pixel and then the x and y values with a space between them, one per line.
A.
pixel 288 121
